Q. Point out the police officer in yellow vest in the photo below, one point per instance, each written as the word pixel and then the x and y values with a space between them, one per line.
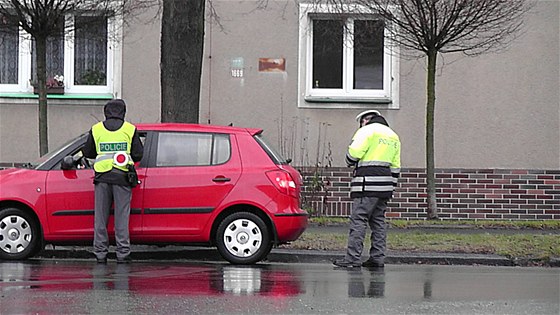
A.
pixel 114 144
pixel 375 153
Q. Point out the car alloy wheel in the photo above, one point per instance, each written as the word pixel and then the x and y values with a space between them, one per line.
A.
pixel 18 234
pixel 243 238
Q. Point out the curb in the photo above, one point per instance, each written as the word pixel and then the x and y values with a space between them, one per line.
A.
pixel 181 253
pixel 392 257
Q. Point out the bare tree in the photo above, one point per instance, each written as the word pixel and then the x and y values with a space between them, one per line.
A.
pixel 426 28
pixel 44 20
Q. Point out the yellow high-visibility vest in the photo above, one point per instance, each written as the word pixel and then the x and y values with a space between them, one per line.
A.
pixel 110 143
pixel 376 144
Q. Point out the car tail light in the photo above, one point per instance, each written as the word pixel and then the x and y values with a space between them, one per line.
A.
pixel 283 181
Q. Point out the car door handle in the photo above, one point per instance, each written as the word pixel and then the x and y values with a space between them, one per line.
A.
pixel 220 179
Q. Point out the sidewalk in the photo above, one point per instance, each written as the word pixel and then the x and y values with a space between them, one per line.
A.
pixel 173 252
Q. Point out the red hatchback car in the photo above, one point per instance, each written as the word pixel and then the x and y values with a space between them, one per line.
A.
pixel 199 185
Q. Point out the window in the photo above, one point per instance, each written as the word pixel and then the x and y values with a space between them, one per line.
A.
pixel 55 55
pixel 192 149
pixel 90 51
pixel 85 56
pixel 345 59
pixel 9 51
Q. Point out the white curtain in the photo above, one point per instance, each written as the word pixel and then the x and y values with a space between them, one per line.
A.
pixel 9 51
pixel 90 50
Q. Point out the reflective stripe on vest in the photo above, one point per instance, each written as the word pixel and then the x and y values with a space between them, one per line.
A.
pixel 373 163
pixel 109 143
pixel 372 183
pixel 103 157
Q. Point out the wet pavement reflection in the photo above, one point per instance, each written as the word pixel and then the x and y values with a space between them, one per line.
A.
pixel 80 287
pixel 154 278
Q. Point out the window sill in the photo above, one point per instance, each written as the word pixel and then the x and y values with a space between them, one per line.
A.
pixel 73 96
pixel 345 99
pixel 347 102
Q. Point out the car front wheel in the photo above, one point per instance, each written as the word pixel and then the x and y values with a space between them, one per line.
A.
pixel 243 238
pixel 19 235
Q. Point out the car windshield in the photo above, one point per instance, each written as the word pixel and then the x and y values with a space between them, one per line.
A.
pixel 271 151
pixel 40 161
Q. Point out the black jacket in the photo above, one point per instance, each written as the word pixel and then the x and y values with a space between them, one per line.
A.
pixel 114 114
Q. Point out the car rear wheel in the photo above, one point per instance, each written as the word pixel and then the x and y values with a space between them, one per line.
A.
pixel 243 238
pixel 19 234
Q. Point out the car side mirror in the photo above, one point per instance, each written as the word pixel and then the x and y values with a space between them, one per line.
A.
pixel 68 163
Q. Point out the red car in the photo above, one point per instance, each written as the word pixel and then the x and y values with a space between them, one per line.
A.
pixel 199 185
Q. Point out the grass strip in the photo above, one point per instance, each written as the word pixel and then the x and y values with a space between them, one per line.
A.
pixel 480 224
pixel 518 246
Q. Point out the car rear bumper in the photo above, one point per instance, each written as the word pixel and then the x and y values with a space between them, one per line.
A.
pixel 290 226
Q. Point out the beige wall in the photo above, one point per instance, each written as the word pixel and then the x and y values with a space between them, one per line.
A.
pixel 492 111
pixel 141 79
pixel 19 129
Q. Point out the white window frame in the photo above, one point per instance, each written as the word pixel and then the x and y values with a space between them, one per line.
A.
pixel 114 63
pixel 347 96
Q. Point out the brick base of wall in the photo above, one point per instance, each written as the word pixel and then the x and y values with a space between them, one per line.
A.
pixel 462 194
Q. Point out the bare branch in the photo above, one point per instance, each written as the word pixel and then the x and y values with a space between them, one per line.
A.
pixel 468 26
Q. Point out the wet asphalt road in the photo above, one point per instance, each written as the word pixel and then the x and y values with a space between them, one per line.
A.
pixel 75 286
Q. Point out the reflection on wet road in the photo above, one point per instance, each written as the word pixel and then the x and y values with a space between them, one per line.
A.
pixel 78 287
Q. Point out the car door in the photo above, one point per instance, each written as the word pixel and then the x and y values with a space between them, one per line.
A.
pixel 190 174
pixel 70 201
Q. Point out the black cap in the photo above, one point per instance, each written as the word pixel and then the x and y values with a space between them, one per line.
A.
pixel 115 109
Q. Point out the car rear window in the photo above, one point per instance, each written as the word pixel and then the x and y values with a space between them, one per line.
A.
pixel 271 150
pixel 192 149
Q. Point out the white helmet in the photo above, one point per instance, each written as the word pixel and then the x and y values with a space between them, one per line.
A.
pixel 369 111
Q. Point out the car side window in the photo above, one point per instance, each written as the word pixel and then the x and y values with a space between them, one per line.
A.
pixel 221 149
pixel 192 149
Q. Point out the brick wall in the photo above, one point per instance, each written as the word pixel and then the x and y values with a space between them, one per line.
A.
pixel 468 194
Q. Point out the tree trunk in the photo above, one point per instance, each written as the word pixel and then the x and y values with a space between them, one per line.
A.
pixel 430 153
pixel 182 43
pixel 41 75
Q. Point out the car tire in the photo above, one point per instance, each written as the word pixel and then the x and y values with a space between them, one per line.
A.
pixel 243 238
pixel 19 235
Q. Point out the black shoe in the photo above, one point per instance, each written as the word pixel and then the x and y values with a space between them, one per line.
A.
pixel 125 260
pixel 341 263
pixel 101 260
pixel 372 264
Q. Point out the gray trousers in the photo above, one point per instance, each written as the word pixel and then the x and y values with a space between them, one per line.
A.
pixel 105 194
pixel 367 211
